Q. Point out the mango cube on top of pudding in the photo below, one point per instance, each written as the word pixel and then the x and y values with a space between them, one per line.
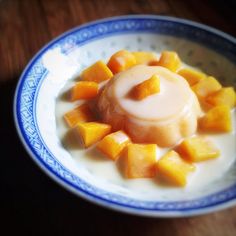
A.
pixel 113 144
pixel 121 60
pixel 97 72
pixel 196 149
pixel 217 119
pixel 191 75
pixel 81 113
pixel 170 60
pixel 146 88
pixel 206 87
pixel 84 90
pixel 144 57
pixel 91 132
pixel 139 160
pixel 224 96
pixel 174 169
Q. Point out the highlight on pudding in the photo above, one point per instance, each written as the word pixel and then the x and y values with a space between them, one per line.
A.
pixel 137 104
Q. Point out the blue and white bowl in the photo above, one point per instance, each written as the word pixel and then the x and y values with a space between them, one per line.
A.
pixel 62 59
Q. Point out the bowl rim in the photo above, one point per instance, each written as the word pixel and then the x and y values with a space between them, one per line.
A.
pixel 103 202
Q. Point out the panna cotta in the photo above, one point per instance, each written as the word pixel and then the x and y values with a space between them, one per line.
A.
pixel 163 118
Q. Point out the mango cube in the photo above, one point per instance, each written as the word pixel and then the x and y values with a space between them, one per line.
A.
pixel 205 87
pixel 146 88
pixel 97 72
pixel 113 144
pixel 81 113
pixel 170 60
pixel 140 160
pixel 192 76
pixel 224 96
pixel 91 132
pixel 121 60
pixel 217 119
pixel 174 169
pixel 197 149
pixel 144 57
pixel 84 90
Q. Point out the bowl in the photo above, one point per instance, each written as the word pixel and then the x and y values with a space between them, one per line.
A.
pixel 61 60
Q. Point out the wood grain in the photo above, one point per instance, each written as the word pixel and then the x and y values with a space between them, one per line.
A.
pixel 30 201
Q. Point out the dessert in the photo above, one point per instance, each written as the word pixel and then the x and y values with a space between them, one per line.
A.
pixel 163 118
pixel 148 115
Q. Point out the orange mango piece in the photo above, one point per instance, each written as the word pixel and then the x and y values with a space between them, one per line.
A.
pixel 224 96
pixel 146 88
pixel 196 149
pixel 81 113
pixel 91 132
pixel 192 76
pixel 97 72
pixel 174 169
pixel 170 60
pixel 140 160
pixel 217 119
pixel 113 144
pixel 121 60
pixel 84 90
pixel 205 87
pixel 144 57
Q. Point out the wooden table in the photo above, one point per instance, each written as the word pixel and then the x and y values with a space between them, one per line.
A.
pixel 33 204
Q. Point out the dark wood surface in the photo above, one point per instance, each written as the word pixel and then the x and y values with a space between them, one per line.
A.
pixel 31 203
